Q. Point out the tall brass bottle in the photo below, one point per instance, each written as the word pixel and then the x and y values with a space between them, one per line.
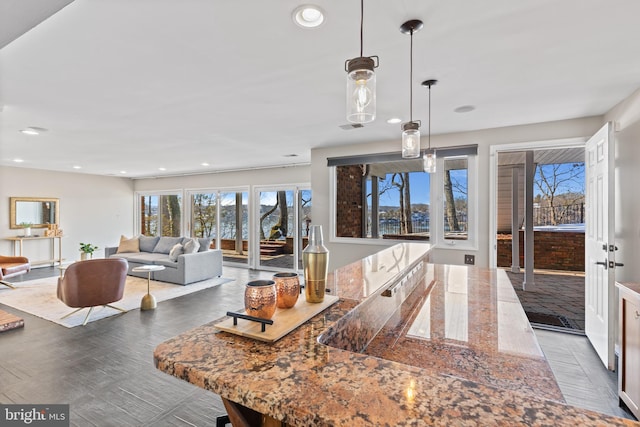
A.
pixel 315 260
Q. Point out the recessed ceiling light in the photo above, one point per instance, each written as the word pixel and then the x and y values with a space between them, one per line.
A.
pixel 33 130
pixel 77 167
pixel 204 164
pixel 18 160
pixel 123 171
pixel 308 16
pixel 162 169
pixel 464 109
pixel 394 120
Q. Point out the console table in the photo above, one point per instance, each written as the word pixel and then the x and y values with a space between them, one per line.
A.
pixel 18 242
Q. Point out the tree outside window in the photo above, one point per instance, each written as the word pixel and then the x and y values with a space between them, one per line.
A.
pixel 161 215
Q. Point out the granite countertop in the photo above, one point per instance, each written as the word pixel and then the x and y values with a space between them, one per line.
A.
pixel 305 383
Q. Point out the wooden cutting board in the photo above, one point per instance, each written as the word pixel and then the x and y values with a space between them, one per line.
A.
pixel 285 320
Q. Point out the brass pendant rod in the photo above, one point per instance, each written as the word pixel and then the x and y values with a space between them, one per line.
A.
pixel 411 80
pixel 429 115
pixel 361 26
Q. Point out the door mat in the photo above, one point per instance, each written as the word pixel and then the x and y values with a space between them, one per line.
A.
pixel 8 321
pixel 551 320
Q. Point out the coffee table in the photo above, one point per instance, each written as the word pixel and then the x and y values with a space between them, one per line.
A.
pixel 148 301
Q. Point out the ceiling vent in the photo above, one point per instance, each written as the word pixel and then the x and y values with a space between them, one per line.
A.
pixel 351 126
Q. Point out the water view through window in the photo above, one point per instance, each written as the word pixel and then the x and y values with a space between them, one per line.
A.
pixel 392 200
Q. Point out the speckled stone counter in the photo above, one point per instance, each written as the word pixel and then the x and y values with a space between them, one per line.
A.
pixel 402 378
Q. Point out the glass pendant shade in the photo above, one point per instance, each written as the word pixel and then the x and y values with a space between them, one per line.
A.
pixel 361 90
pixel 410 140
pixel 429 161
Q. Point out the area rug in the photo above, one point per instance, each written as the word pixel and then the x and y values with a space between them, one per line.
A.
pixel 8 321
pixel 38 297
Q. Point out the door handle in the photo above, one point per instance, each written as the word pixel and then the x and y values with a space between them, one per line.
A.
pixel 604 263
pixel 615 264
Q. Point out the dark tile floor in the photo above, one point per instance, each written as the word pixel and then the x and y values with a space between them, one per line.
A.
pixel 105 370
pixel 555 293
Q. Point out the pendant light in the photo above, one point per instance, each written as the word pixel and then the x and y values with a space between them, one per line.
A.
pixel 429 158
pixel 361 83
pixel 411 129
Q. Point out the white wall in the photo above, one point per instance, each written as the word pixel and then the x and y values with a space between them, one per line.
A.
pixel 93 209
pixel 627 176
pixel 343 253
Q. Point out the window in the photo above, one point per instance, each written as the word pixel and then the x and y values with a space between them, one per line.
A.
pixel 456 220
pixel 204 214
pixel 383 196
pixel 223 216
pixel 455 188
pixel 160 214
pixel 283 219
pixel 383 200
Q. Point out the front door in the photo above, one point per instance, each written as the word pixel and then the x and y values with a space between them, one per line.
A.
pixel 600 245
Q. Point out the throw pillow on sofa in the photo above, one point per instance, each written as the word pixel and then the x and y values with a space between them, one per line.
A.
pixel 128 245
pixel 175 251
pixel 205 242
pixel 165 244
pixel 148 243
pixel 191 246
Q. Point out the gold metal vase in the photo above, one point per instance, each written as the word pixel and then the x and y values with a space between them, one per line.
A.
pixel 315 260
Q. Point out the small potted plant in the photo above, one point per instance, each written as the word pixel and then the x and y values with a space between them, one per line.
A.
pixel 87 248
pixel 26 226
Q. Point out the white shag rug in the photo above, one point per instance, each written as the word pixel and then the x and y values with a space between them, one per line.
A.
pixel 38 297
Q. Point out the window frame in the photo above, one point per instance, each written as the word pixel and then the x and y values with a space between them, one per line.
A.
pixel 438 236
pixel 138 210
pixel 436 209
pixel 332 222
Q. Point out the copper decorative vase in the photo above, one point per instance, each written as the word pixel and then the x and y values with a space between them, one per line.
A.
pixel 260 298
pixel 288 289
pixel 315 260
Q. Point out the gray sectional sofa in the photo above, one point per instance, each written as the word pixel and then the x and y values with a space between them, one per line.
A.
pixel 188 268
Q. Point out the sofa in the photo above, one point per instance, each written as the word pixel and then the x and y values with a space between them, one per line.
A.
pixel 180 268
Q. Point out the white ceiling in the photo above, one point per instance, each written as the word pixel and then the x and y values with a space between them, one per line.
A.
pixel 135 85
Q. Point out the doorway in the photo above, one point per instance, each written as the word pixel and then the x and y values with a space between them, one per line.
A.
pixel 222 216
pixel 554 295
pixel 283 216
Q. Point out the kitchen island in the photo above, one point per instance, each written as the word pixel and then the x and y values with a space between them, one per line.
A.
pixel 408 343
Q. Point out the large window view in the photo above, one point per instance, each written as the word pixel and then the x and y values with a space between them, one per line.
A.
pixel 231 234
pixel 397 205
pixel 559 194
pixel 204 214
pixel 161 215
pixel 276 228
pixel 388 200
pixel 280 223
pixel 284 218
pixel 382 196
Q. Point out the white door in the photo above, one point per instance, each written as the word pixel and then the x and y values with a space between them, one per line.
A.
pixel 600 245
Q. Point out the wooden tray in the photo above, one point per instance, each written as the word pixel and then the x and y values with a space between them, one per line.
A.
pixel 284 320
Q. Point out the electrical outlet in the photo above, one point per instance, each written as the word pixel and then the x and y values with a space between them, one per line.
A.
pixel 469 259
